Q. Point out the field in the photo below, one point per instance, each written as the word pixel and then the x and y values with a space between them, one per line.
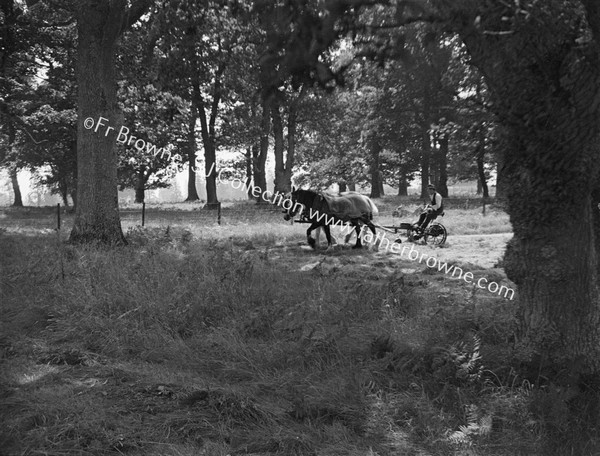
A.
pixel 237 339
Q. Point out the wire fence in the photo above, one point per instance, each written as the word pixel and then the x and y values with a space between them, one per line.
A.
pixel 60 218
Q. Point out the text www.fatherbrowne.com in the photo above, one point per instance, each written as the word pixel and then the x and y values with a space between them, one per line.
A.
pixel 432 262
pixel 412 254
pixel 124 137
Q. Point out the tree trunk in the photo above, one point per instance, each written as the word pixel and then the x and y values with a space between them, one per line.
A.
pixel 250 153
pixel 500 177
pixel 291 140
pixel 18 201
pixel 140 185
pixel 13 171
pixel 552 112
pixel 73 186
pixel 192 192
pixel 210 155
pixel 97 214
pixel 351 187
pixel 482 187
pixel 402 185
pixel 64 195
pixel 342 187
pixel 260 159
pixel 278 149
pixel 425 155
pixel 441 184
pixel 374 171
pixel 482 181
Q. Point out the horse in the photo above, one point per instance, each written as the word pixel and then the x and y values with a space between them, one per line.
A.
pixel 323 210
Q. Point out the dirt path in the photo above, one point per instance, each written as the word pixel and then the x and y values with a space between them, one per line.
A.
pixel 480 251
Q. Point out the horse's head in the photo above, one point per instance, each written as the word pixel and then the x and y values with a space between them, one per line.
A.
pixel 292 203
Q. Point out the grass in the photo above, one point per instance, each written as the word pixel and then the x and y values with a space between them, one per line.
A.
pixel 209 341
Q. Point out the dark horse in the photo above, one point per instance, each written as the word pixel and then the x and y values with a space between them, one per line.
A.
pixel 324 210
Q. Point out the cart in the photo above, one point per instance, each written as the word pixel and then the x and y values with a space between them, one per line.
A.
pixel 434 234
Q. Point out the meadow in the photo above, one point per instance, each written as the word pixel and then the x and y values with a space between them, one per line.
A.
pixel 236 339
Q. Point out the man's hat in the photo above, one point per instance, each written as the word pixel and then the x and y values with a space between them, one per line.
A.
pixel 431 187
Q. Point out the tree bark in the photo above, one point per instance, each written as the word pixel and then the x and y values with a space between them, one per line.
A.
pixel 13 171
pixel 192 192
pixel 97 216
pixel 18 201
pixel 425 148
pixel 208 140
pixel 250 153
pixel 140 185
pixel 547 92
pixel 480 157
pixel 260 159
pixel 278 149
pixel 402 185
pixel 376 183
pixel 291 139
pixel 500 177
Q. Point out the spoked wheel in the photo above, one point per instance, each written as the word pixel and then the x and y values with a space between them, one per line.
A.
pixel 436 234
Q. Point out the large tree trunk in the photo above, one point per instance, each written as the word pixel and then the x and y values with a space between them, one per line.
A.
pixel 425 156
pixel 208 140
pixel 291 140
pixel 546 89
pixel 260 159
pixel 97 214
pixel 500 177
pixel 278 149
pixel 13 171
pixel 192 192
pixel 250 153
pixel 18 201
pixel 376 184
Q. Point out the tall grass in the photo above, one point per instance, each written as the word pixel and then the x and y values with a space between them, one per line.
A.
pixel 184 344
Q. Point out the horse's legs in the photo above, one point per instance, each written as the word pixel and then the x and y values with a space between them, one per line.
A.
pixel 348 236
pixel 327 235
pixel 309 239
pixel 372 228
pixel 356 225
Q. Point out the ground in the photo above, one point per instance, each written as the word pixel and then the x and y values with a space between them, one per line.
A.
pixel 238 339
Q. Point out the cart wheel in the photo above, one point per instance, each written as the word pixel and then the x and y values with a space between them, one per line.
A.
pixel 436 234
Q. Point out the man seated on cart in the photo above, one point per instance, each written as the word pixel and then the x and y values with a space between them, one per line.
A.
pixel 430 213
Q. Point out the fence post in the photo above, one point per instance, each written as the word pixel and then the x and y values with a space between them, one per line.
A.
pixel 58 216
pixel 219 213
pixel 143 214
